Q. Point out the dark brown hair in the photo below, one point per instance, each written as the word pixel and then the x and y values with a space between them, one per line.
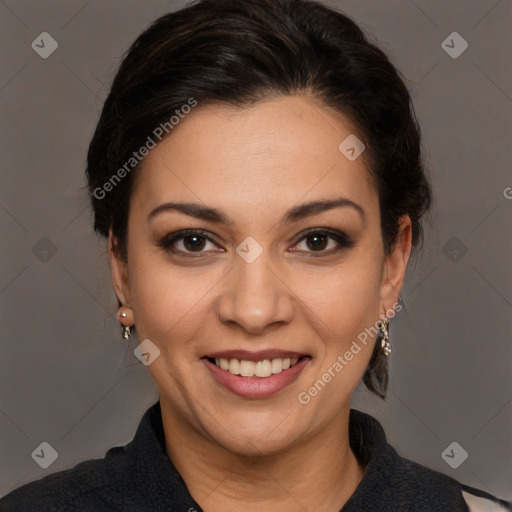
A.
pixel 240 52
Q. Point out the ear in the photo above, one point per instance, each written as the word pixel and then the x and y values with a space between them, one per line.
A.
pixel 395 265
pixel 118 270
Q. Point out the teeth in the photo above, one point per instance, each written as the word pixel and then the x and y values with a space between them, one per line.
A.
pixel 276 365
pixel 234 366
pixel 264 368
pixel 246 368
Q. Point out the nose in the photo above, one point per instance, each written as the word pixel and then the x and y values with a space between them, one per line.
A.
pixel 255 298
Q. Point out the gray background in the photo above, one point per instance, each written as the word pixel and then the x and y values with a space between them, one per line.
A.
pixel 68 378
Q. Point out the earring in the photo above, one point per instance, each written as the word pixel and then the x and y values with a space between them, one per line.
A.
pixel 126 328
pixel 385 344
pixel 127 332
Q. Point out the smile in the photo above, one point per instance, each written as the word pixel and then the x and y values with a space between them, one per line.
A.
pixel 255 374
pixel 263 368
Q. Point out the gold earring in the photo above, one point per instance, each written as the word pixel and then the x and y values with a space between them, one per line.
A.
pixel 385 344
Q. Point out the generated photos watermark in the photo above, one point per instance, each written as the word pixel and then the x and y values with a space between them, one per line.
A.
pixel 304 397
pixel 159 134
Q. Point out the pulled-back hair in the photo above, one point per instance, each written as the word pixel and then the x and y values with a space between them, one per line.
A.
pixel 240 52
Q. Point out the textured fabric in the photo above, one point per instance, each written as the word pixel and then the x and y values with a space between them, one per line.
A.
pixel 140 477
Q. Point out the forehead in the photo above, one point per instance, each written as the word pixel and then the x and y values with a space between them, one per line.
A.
pixel 269 155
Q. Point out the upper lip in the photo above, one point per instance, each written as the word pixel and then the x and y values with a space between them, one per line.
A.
pixel 260 355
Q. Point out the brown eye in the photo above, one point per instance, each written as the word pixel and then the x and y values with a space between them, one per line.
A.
pixel 316 241
pixel 194 242
pixel 187 241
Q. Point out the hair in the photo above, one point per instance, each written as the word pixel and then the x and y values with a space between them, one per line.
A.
pixel 240 52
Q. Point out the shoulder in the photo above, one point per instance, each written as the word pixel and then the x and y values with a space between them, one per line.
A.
pixel 444 490
pixel 479 501
pixel 452 491
pixel 393 482
pixel 134 477
pixel 89 485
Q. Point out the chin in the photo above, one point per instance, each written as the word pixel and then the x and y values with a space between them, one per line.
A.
pixel 253 435
pixel 257 445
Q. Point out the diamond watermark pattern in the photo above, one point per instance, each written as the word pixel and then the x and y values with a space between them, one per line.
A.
pixel 351 147
pixel 249 249
pixel 454 45
pixel 44 249
pixel 454 250
pixel 44 45
pixel 45 455
pixel 454 455
pixel 146 352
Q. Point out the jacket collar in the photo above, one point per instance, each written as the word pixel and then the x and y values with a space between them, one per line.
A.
pixel 390 482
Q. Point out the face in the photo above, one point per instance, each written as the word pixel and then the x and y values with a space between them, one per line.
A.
pixel 261 281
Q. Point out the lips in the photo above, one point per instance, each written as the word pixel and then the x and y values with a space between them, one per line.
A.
pixel 255 374
pixel 261 355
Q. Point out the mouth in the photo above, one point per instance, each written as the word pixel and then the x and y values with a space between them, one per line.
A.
pixel 255 374
pixel 260 368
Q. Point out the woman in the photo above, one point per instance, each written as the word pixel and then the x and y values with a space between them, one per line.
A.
pixel 257 172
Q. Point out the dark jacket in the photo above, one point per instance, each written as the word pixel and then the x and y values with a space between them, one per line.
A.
pixel 140 477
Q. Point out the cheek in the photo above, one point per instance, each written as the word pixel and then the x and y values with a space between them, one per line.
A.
pixel 347 299
pixel 170 302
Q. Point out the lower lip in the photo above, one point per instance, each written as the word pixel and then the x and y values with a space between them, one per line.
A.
pixel 256 387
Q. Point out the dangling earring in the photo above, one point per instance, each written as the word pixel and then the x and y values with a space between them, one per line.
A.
pixel 127 331
pixel 385 344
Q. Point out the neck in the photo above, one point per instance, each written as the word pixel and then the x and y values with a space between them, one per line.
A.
pixel 319 474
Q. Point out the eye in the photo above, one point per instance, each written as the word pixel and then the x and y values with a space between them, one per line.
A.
pixel 317 240
pixel 186 241
pixel 190 241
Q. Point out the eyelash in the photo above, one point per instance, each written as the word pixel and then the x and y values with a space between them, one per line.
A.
pixel 344 241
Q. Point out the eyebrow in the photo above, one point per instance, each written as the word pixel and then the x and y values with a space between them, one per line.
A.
pixel 294 214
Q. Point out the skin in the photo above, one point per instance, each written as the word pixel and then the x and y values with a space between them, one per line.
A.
pixel 254 164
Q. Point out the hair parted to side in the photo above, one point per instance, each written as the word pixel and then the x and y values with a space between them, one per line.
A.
pixel 239 52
